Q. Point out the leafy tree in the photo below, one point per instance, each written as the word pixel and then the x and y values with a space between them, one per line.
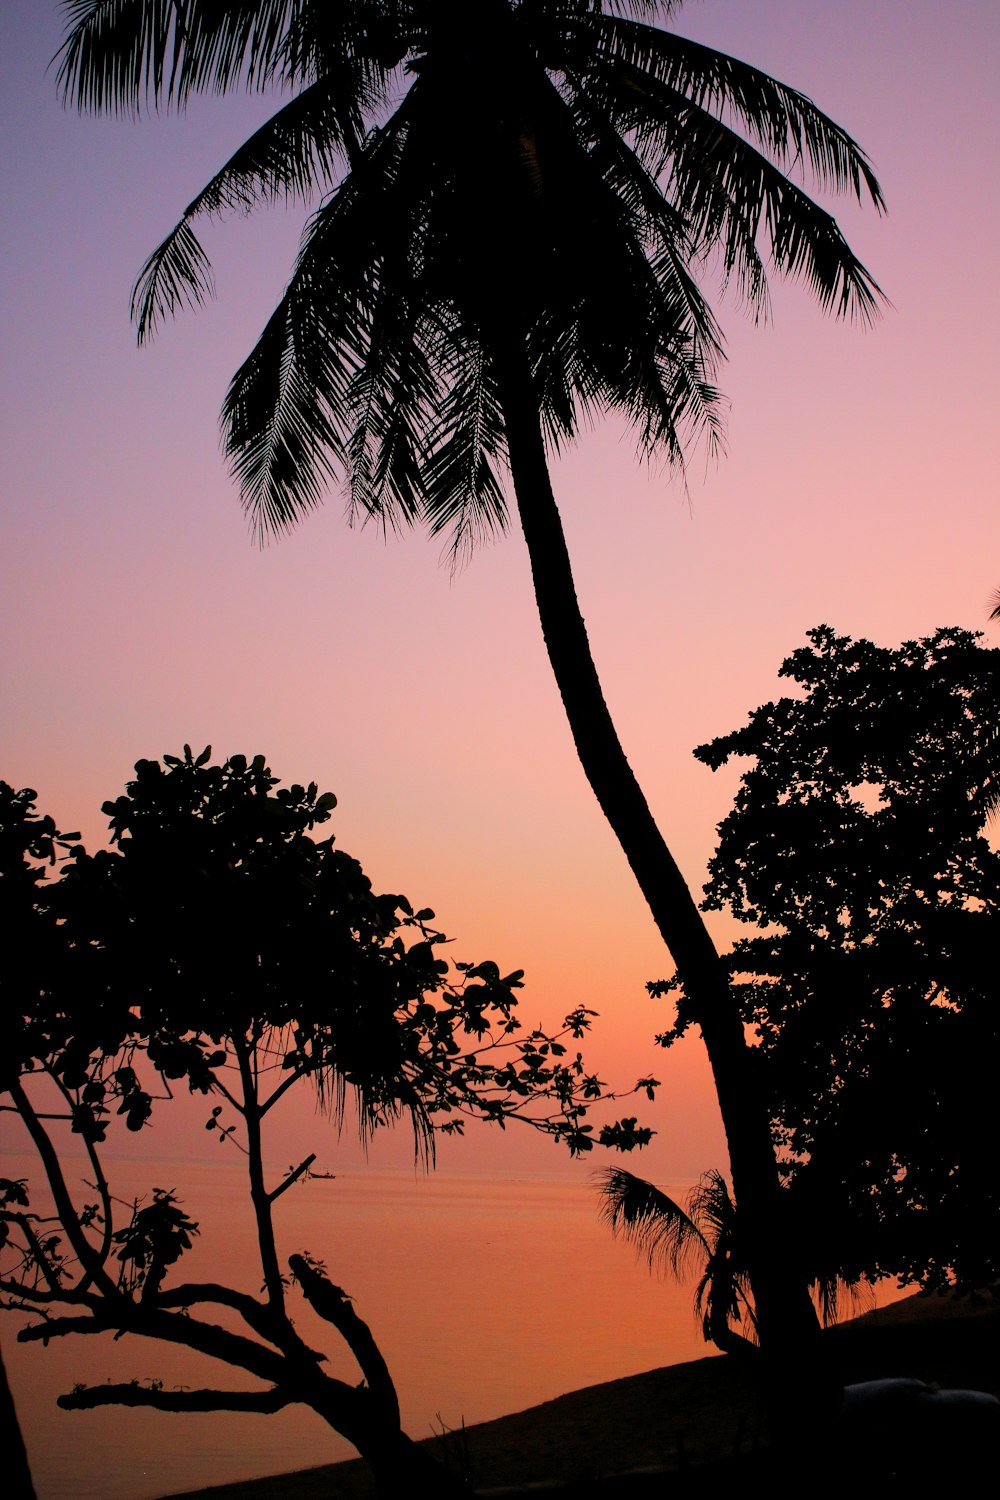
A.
pixel 856 847
pixel 510 245
pixel 221 946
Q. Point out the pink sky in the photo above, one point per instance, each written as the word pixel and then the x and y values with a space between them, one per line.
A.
pixel 859 489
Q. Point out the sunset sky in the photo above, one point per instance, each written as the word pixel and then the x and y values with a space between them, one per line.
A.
pixel 859 489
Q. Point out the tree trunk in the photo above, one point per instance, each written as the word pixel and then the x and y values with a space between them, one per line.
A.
pixel 787 1322
pixel 17 1473
pixel 403 1468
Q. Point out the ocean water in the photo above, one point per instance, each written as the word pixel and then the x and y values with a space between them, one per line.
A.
pixel 486 1295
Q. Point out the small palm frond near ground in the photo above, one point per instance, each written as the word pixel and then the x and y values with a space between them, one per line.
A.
pixel 705 1235
pixel 677 1239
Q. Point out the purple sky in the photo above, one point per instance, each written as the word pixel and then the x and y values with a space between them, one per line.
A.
pixel 858 489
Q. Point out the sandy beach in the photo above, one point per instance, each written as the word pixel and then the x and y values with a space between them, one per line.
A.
pixel 693 1421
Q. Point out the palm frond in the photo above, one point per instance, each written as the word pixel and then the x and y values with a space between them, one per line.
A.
pixel 120 55
pixel 723 1295
pixel 982 775
pixel 673 94
pixel 177 274
pixel 390 401
pixel 467 445
pixel 281 438
pixel 705 1231
pixel 658 1227
pixel 660 224
pixel 295 152
pixel 624 326
pixel 832 1291
pixel 784 122
pixel 332 351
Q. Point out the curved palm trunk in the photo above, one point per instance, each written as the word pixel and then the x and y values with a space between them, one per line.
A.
pixel 786 1319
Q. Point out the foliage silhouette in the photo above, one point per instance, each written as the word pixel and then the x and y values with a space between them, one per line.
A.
pixel 707 1234
pixel 221 946
pixel 856 846
pixel 444 324
pixel 704 1232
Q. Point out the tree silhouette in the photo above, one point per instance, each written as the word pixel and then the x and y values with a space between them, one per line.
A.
pixel 16 1467
pixel 221 946
pixel 856 852
pixel 510 246
pixel 706 1234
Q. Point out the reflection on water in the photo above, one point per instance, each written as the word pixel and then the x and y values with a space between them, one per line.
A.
pixel 486 1295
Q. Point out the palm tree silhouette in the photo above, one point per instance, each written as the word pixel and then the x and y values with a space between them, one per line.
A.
pixel 706 1234
pixel 516 194
pixel 703 1234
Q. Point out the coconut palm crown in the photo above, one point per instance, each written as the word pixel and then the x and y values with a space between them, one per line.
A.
pixel 520 197
pixel 515 198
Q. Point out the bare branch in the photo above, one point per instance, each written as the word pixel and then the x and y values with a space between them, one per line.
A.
pixel 246 1058
pixel 263 1319
pixel 335 1306
pixel 173 1328
pixel 132 1394
pixel 282 1187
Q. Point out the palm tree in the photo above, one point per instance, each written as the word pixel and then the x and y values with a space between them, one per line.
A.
pixel 704 1232
pixel 512 215
pixel 707 1233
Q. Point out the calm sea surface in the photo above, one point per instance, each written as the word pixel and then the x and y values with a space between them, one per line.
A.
pixel 487 1295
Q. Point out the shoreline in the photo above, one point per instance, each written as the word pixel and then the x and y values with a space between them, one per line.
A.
pixel 700 1413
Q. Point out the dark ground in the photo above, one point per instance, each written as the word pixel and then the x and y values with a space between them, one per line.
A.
pixel 699 1428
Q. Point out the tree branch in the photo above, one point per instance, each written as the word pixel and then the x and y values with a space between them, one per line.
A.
pixel 282 1088
pixel 282 1187
pixel 203 1400
pixel 258 1193
pixel 334 1306
pixel 68 1216
pixel 257 1315
pixel 100 1181
pixel 173 1328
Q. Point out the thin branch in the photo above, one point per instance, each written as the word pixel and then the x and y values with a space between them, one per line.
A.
pixel 100 1181
pixel 258 1193
pixel 68 1216
pixel 12 1109
pixel 220 1088
pixel 283 1087
pixel 172 1328
pixel 283 1187
pixel 201 1400
pixel 35 1252
pixel 334 1306
pixel 257 1315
